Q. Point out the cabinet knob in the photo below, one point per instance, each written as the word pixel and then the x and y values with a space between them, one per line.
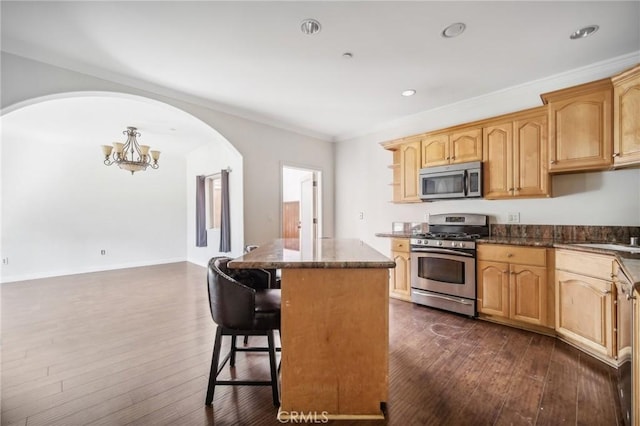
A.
pixel 510 189
pixel 518 189
pixel 509 255
pixel 448 158
pixel 553 161
pixel 616 154
pixel 453 158
pixel 505 272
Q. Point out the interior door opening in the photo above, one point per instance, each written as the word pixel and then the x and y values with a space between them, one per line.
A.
pixel 300 210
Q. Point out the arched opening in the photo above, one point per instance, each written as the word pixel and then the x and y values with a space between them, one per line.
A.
pixel 65 212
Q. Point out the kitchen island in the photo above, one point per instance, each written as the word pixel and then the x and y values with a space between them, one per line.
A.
pixel 335 326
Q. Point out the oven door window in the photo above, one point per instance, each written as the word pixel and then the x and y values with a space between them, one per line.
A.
pixel 442 270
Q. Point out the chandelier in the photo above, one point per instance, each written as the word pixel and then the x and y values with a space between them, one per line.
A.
pixel 129 155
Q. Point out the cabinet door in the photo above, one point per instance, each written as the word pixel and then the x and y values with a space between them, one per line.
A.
pixel 528 294
pixel 498 164
pixel 409 169
pixel 530 172
pixel 466 145
pixel 493 288
pixel 584 311
pixel 626 125
pixel 435 150
pixel 580 134
pixel 400 284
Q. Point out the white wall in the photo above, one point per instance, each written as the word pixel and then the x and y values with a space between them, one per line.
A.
pixel 596 198
pixel 59 210
pixel 207 160
pixel 263 148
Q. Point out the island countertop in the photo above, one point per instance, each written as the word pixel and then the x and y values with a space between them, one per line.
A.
pixel 322 253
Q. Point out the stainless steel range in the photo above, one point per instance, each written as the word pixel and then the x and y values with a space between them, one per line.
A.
pixel 443 262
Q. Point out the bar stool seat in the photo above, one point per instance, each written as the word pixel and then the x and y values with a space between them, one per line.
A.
pixel 240 310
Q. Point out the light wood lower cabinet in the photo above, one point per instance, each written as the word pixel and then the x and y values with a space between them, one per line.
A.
pixel 513 284
pixel 585 302
pixel 585 311
pixel 400 280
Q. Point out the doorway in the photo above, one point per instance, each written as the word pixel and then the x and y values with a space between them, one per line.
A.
pixel 300 211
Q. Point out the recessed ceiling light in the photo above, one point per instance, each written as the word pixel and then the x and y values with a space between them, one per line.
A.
pixel 453 30
pixel 310 26
pixel 347 55
pixel 584 32
pixel 409 92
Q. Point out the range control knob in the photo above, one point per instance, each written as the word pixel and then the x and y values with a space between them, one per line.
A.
pixel 461 244
pixel 439 243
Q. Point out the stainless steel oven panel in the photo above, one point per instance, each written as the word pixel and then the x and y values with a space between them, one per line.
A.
pixel 442 301
pixel 466 289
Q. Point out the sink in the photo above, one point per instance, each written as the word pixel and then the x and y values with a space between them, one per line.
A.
pixel 616 247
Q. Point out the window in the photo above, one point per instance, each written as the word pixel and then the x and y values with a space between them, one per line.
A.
pixel 213 201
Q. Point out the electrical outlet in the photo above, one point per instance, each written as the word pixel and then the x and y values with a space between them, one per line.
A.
pixel 103 252
pixel 513 217
pixel 5 260
pixel 361 216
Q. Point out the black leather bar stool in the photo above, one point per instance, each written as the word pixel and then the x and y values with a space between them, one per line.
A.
pixel 239 309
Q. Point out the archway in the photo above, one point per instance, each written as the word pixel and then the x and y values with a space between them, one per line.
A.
pixel 62 208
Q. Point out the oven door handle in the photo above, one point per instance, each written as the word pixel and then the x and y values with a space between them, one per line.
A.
pixel 437 296
pixel 440 251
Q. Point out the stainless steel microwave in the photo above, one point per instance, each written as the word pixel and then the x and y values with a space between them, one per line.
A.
pixel 463 180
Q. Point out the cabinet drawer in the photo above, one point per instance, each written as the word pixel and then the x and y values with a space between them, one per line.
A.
pixel 400 244
pixel 591 265
pixel 513 254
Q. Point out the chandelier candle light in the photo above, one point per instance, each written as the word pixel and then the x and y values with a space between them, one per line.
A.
pixel 129 155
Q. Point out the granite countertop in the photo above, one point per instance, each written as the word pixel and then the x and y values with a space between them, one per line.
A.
pixel 394 234
pixel 322 253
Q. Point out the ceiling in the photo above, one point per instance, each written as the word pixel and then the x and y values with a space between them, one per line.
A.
pixel 251 59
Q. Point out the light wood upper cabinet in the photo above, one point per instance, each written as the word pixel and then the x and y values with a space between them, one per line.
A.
pixel 515 156
pixel 435 150
pixel 457 146
pixel 400 282
pixel 626 118
pixel 580 127
pixel 409 169
pixel 405 167
pixel 513 284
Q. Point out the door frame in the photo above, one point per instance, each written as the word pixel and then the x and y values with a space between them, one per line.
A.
pixel 317 174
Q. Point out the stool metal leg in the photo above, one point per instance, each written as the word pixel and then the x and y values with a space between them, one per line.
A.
pixel 214 366
pixel 232 360
pixel 274 371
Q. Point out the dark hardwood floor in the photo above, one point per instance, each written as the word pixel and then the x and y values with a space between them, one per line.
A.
pixel 134 347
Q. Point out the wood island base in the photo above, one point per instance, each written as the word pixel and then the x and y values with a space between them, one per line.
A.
pixel 335 343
